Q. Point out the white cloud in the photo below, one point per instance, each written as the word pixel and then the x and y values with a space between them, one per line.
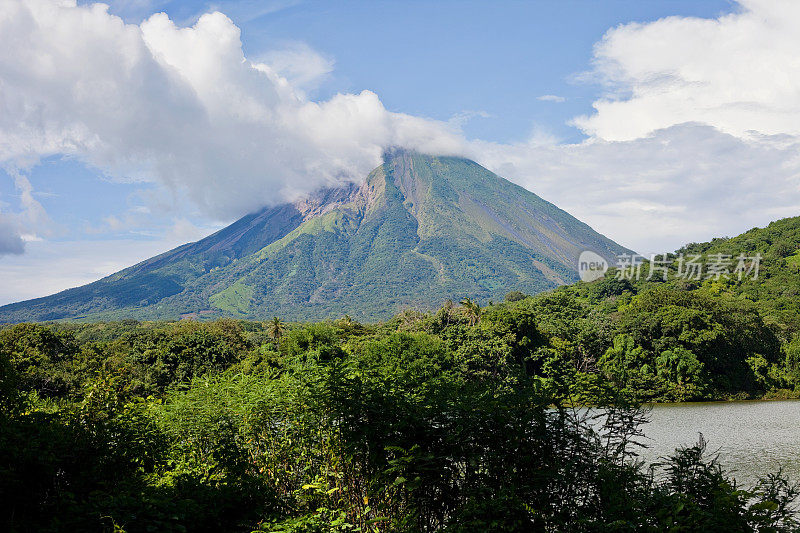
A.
pixel 689 182
pixel 184 230
pixel 249 10
pixel 184 107
pixel 33 217
pixel 462 118
pixel 551 98
pixel 698 136
pixel 303 67
pixel 29 223
pixel 738 73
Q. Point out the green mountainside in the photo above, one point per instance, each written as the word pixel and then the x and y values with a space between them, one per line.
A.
pixel 686 337
pixel 419 230
pixel 772 287
pixel 776 289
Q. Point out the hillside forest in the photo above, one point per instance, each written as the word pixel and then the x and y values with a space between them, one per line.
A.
pixel 521 415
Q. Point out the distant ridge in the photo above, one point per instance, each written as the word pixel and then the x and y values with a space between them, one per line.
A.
pixel 419 230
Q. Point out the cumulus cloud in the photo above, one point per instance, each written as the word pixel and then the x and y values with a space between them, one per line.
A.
pixel 28 223
pixel 738 73
pixel 184 107
pixel 33 217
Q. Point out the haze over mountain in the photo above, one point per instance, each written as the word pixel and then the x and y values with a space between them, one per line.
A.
pixel 419 230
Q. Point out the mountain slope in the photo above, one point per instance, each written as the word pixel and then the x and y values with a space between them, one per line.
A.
pixel 419 230
pixel 776 287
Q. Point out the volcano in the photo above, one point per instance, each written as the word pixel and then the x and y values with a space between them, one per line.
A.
pixel 417 231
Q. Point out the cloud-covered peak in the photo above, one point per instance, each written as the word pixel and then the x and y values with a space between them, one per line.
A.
pixel 184 107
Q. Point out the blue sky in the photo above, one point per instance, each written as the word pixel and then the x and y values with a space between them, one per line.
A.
pixel 504 82
pixel 443 58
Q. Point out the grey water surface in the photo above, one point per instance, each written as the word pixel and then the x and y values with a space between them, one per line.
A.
pixel 752 437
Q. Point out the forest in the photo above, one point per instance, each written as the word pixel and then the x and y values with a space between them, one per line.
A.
pixel 521 415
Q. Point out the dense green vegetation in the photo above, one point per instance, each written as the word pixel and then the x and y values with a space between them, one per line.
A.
pixel 684 339
pixel 468 418
pixel 417 231
pixel 460 420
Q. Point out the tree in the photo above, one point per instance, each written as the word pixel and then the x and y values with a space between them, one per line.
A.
pixel 515 296
pixel 445 314
pixel 471 310
pixel 9 383
pixel 681 368
pixel 276 328
pixel 622 358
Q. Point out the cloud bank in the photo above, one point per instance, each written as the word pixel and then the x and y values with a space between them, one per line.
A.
pixel 688 182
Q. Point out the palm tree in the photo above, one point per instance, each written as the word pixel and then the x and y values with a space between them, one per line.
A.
pixel 275 329
pixel 471 310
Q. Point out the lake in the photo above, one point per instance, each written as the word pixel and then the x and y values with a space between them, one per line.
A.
pixel 752 437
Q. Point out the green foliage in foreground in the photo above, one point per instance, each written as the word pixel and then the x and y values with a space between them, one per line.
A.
pixel 460 420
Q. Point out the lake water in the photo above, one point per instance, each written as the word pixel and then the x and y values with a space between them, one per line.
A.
pixel 752 437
